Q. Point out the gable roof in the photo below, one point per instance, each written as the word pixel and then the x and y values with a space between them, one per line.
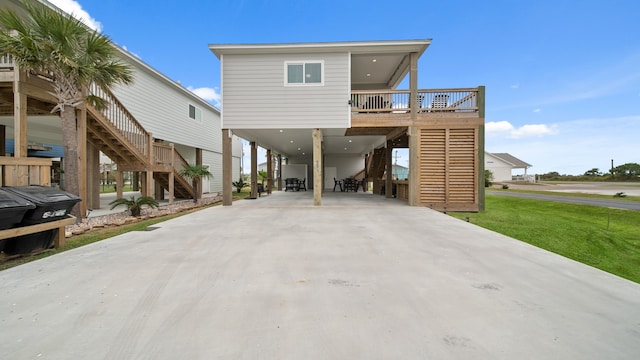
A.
pixel 510 159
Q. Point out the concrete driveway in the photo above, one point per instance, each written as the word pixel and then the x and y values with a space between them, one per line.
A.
pixel 275 278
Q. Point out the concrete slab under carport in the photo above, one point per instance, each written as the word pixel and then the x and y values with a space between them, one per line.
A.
pixel 277 277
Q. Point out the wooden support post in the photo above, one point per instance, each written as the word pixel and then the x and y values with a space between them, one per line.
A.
pixel 119 183
pixel 317 167
pixel 414 151
pixel 480 147
pixel 269 171
pixel 388 181
pixel 227 168
pixel 413 85
pixel 279 172
pixel 93 177
pixel 254 171
pixel 171 174
pixel 61 238
pixel 136 181
pixel 149 170
pixel 19 115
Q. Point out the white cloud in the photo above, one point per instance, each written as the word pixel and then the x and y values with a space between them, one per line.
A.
pixel 515 86
pixel 537 110
pixel 208 94
pixel 525 131
pixel 580 145
pixel 74 8
pixel 498 126
pixel 537 130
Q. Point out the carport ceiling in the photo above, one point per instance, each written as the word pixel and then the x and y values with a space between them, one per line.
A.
pixel 295 142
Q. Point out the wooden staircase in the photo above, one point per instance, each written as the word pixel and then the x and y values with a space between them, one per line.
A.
pixel 115 132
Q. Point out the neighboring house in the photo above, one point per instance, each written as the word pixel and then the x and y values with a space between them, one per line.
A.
pixel 400 172
pixel 502 166
pixel 152 127
pixel 336 108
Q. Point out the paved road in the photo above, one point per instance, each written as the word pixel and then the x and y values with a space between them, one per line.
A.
pixel 362 277
pixel 618 204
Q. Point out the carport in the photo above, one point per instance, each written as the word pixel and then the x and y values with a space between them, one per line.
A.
pixel 362 277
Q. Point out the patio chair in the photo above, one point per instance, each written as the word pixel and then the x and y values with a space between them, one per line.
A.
pixel 440 101
pixel 290 184
pixel 302 185
pixel 337 182
pixel 419 103
pixel 376 103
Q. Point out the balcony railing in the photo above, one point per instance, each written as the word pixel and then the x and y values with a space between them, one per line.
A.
pixel 398 101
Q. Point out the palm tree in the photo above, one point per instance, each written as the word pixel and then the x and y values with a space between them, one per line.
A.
pixel 52 42
pixel 135 205
pixel 195 173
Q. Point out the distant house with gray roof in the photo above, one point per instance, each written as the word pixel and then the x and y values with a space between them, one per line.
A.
pixel 502 165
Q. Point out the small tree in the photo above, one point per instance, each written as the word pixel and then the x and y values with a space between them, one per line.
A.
pixel 488 178
pixel 240 184
pixel 44 40
pixel 196 173
pixel 135 205
pixel 593 172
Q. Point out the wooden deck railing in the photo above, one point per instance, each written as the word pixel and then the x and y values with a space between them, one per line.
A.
pixel 167 155
pixel 162 154
pixel 431 100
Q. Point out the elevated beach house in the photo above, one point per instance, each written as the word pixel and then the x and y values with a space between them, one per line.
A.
pixel 334 110
pixel 153 127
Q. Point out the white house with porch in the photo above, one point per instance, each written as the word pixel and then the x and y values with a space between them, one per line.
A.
pixel 502 166
pixel 336 108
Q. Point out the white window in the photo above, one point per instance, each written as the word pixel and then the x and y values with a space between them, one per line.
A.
pixel 195 113
pixel 304 72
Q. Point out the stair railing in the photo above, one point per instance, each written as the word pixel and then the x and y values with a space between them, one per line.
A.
pixel 122 119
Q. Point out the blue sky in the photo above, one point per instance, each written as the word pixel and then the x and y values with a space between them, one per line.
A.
pixel 562 77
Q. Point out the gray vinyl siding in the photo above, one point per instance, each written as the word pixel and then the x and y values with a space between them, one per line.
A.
pixel 255 96
pixel 162 108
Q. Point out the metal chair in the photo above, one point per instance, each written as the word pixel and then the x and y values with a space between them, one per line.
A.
pixel 290 184
pixel 337 183
pixel 302 185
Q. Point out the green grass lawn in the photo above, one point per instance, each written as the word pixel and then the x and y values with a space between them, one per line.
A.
pixel 608 239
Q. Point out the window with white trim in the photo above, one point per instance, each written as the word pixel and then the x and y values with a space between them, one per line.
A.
pixel 195 113
pixel 304 72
